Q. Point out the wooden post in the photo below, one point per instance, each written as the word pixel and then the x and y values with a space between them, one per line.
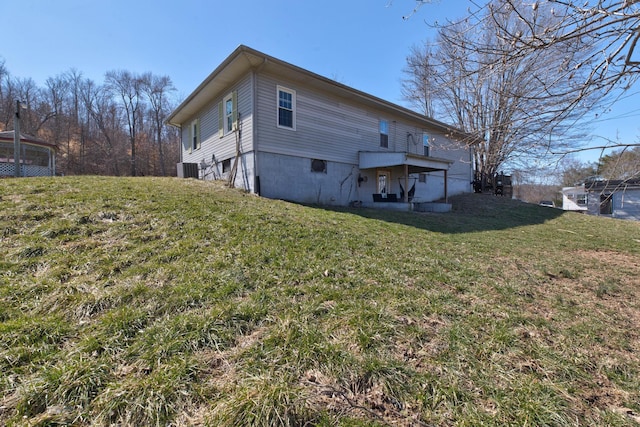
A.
pixel 406 183
pixel 445 187
pixel 16 141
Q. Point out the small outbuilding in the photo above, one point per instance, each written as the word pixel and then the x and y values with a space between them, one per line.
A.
pixel 36 158
pixel 611 198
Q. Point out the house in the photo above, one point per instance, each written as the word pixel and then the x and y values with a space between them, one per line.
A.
pixel 611 198
pixel 574 198
pixel 283 132
pixel 37 157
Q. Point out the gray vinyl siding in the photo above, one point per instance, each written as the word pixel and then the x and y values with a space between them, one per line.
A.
pixel 625 204
pixel 460 173
pixel 331 128
pixel 326 127
pixel 214 149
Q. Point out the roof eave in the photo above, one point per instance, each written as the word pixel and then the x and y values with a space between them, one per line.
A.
pixel 244 58
pixel 240 61
pixel 26 139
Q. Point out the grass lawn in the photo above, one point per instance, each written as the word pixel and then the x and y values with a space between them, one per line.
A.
pixel 167 302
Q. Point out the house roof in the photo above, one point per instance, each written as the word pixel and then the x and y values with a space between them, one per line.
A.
pixel 244 59
pixel 612 185
pixel 8 136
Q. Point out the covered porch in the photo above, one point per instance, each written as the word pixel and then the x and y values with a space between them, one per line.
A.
pixel 386 194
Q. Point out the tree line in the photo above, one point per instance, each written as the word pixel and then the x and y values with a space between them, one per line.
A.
pixel 115 127
pixel 622 164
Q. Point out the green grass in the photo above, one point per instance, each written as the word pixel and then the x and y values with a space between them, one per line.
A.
pixel 178 302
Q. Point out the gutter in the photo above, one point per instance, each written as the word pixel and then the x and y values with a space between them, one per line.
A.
pixel 344 89
pixel 206 81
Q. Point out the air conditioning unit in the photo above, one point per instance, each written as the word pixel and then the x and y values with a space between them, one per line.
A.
pixel 187 170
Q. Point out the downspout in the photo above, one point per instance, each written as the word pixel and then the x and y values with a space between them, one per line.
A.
pixel 446 198
pixel 16 141
pixel 395 132
pixel 254 132
pixel 406 182
pixel 52 161
pixel 254 125
pixel 181 145
pixel 472 169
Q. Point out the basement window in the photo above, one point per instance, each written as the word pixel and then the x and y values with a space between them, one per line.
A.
pixel 318 166
pixel 422 177
pixel 226 166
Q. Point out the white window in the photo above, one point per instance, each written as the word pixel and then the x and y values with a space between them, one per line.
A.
pixel 384 133
pixel 286 108
pixel 425 143
pixel 228 114
pixel 194 135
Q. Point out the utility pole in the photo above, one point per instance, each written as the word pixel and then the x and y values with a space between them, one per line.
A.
pixel 16 140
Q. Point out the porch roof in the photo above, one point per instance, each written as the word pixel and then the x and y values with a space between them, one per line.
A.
pixel 8 136
pixel 415 162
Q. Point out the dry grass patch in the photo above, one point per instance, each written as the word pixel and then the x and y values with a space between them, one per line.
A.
pixel 181 302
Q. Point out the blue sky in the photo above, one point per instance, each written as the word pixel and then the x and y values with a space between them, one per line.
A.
pixel 361 43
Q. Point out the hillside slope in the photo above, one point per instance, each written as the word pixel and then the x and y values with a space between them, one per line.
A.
pixel 146 301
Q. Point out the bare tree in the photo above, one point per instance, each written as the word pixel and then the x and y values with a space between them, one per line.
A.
pixel 419 4
pixel 6 101
pixel 516 105
pixel 128 88
pixel 79 117
pixel 104 113
pixel 622 164
pixel 98 128
pixel 420 84
pixel 612 27
pixel 26 90
pixel 55 97
pixel 573 172
pixel 603 73
pixel 157 89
